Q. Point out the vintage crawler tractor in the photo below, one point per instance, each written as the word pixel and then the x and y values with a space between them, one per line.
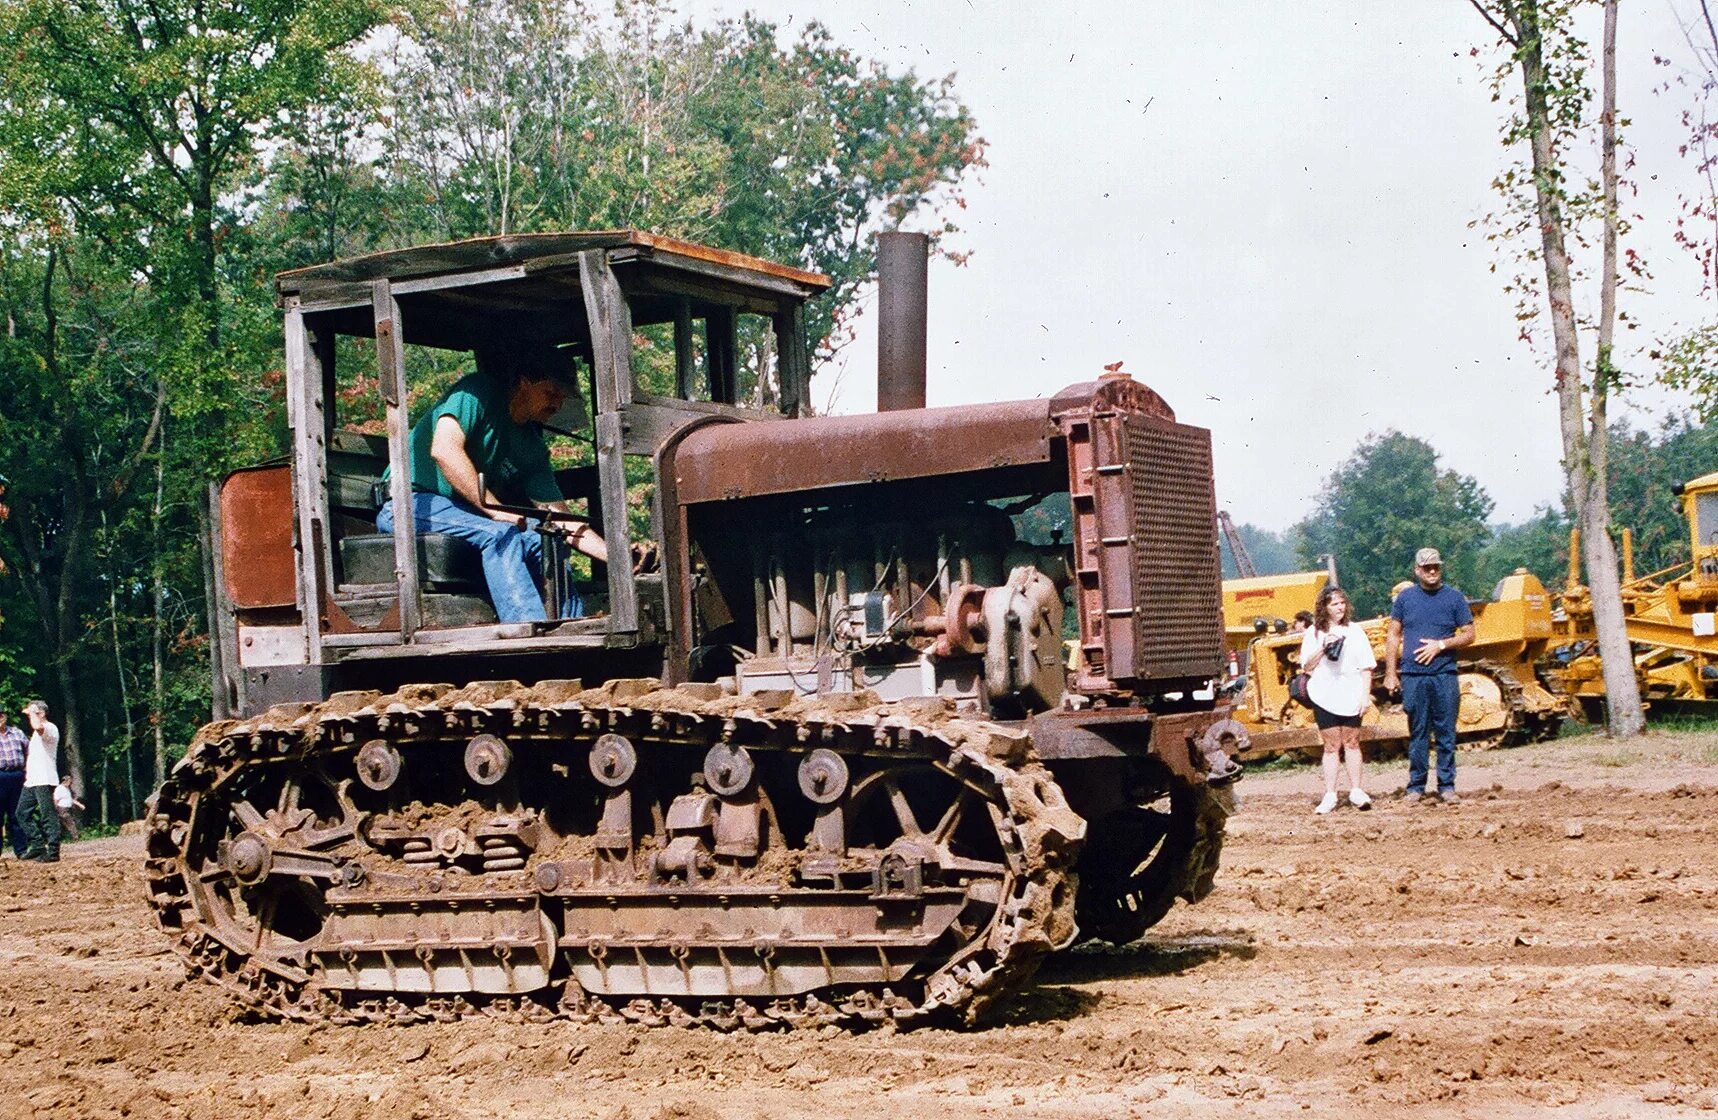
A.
pixel 827 766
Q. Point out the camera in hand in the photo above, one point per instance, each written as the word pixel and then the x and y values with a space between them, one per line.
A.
pixel 1333 648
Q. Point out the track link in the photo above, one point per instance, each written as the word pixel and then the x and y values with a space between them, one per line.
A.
pixel 1517 727
pixel 1036 832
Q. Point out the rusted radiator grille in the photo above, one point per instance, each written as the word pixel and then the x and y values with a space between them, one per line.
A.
pixel 1177 583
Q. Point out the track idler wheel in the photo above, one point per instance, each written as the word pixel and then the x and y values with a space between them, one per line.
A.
pixel 1146 857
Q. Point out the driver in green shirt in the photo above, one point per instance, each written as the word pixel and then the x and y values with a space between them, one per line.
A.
pixel 490 424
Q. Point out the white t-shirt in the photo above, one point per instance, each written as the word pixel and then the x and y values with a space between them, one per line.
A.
pixel 42 759
pixel 1342 688
pixel 63 797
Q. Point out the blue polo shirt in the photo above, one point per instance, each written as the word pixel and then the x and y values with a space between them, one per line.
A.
pixel 1423 614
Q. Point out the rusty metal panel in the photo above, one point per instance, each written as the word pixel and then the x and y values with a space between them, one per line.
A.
pixel 747 460
pixel 256 538
pixel 1177 580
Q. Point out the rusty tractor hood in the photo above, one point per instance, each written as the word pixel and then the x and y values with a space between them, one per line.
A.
pixel 727 461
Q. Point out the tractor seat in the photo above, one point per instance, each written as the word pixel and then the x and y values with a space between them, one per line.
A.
pixel 444 563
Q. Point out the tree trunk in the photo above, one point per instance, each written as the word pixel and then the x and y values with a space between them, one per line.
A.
pixel 203 231
pixel 124 699
pixel 71 727
pixel 1583 476
pixel 158 697
pixel 1616 659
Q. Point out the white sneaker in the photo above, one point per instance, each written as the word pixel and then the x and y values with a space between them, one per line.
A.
pixel 1327 804
pixel 1357 798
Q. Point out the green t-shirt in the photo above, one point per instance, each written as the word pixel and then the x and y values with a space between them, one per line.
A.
pixel 512 457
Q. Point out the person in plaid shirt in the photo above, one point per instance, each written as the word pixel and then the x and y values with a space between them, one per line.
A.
pixel 12 744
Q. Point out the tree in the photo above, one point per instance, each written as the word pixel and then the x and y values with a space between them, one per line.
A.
pixel 1540 544
pixel 1646 469
pixel 129 131
pixel 520 115
pixel 1388 500
pixel 145 110
pixel 1271 553
pixel 1551 63
pixel 83 411
pixel 161 159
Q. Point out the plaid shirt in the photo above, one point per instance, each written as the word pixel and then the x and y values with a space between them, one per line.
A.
pixel 12 744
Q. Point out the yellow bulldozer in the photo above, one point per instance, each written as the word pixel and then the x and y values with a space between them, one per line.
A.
pixel 1258 605
pixel 1502 700
pixel 1671 616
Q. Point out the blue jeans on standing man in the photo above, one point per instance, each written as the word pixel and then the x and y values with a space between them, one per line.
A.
pixel 1431 700
pixel 11 786
pixel 512 557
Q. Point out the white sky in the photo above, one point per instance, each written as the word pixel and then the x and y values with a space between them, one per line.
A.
pixel 1260 207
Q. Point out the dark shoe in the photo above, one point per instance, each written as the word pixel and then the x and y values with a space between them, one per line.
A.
pixel 1413 796
pixel 1448 797
pixel 33 855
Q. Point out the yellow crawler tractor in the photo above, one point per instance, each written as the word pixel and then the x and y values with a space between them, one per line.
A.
pixel 1670 616
pixel 1258 605
pixel 1502 701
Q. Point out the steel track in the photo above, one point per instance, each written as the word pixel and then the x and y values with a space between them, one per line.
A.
pixel 1037 832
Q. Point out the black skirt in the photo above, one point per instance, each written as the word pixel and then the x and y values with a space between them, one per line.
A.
pixel 1327 720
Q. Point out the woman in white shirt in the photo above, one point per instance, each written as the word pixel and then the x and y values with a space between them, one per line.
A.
pixel 1338 661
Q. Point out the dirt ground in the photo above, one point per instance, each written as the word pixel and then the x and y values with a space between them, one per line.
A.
pixel 1548 948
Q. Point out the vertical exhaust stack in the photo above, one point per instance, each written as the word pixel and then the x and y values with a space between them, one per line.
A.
pixel 903 267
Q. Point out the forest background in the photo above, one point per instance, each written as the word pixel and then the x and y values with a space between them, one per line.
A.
pixel 161 160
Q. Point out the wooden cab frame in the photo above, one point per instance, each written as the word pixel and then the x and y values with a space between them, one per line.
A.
pixel 587 292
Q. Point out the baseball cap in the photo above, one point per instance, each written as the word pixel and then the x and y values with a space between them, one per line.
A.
pixel 1426 557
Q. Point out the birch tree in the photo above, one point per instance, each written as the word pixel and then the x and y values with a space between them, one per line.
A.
pixel 1551 121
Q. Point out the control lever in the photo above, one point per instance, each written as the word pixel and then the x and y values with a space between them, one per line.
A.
pixel 557 581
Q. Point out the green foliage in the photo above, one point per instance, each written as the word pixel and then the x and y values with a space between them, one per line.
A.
pixel 1388 500
pixel 1540 544
pixel 519 115
pixel 17 679
pixel 1550 93
pixel 1644 469
pixel 1689 361
pixel 1271 553
pixel 160 161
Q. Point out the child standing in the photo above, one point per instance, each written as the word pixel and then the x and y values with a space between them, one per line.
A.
pixel 64 803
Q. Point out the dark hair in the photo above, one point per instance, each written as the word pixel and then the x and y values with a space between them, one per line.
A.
pixel 511 361
pixel 1303 616
pixel 1321 609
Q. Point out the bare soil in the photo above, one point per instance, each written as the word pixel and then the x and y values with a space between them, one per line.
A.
pixel 1549 947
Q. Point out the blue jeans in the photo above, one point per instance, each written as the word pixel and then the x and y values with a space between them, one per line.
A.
pixel 41 823
pixel 512 557
pixel 11 786
pixel 1431 700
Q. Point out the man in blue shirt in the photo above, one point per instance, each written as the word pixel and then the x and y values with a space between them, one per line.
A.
pixel 1430 618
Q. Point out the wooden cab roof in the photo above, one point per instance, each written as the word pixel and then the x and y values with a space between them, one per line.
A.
pixel 529 284
pixel 539 253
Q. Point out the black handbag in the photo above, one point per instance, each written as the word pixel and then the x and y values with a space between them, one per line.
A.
pixel 1297 690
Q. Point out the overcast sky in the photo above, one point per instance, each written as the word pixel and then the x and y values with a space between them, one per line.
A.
pixel 1263 209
